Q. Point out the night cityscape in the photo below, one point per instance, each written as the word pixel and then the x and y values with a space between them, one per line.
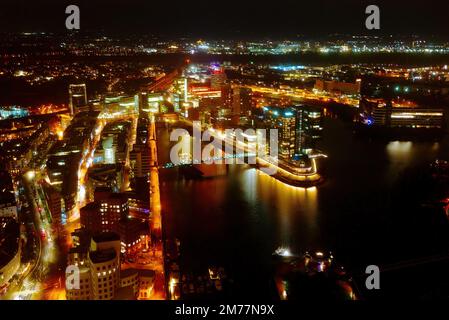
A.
pixel 210 153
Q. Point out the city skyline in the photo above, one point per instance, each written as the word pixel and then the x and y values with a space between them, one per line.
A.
pixel 213 151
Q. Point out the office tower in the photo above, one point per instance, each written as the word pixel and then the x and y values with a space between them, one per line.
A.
pixel 299 128
pixel 309 126
pixel 77 97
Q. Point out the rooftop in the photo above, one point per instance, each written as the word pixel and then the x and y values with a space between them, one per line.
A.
pixel 106 237
pixel 101 256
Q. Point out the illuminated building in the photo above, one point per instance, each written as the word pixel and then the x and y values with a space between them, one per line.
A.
pixel 141 281
pixel 104 260
pixel 146 283
pixel 85 290
pixel 139 207
pixel 154 102
pixel 140 156
pixel 110 212
pixel 140 161
pixel 338 86
pixel 105 273
pixel 299 128
pixel 241 101
pixel 186 90
pixel 114 143
pixel 64 158
pixel 176 101
pixel 77 97
pixel 57 165
pixel 309 127
pixel 116 106
pixel 105 212
pixel 98 259
pixel 17 149
pixel 398 117
pixel 130 230
pixel 130 278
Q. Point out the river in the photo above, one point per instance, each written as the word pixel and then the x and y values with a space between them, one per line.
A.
pixel 369 211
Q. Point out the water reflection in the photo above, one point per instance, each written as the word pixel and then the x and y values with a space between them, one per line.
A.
pixel 287 206
pixel 400 150
pixel 238 220
pixel 404 154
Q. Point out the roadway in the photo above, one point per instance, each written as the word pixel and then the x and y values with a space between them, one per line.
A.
pixel 159 291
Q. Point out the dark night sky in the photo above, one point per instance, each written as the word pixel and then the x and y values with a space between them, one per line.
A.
pixel 228 18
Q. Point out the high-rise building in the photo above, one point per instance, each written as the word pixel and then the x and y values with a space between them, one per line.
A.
pixel 140 156
pixel 309 124
pixel 299 128
pixel 77 97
